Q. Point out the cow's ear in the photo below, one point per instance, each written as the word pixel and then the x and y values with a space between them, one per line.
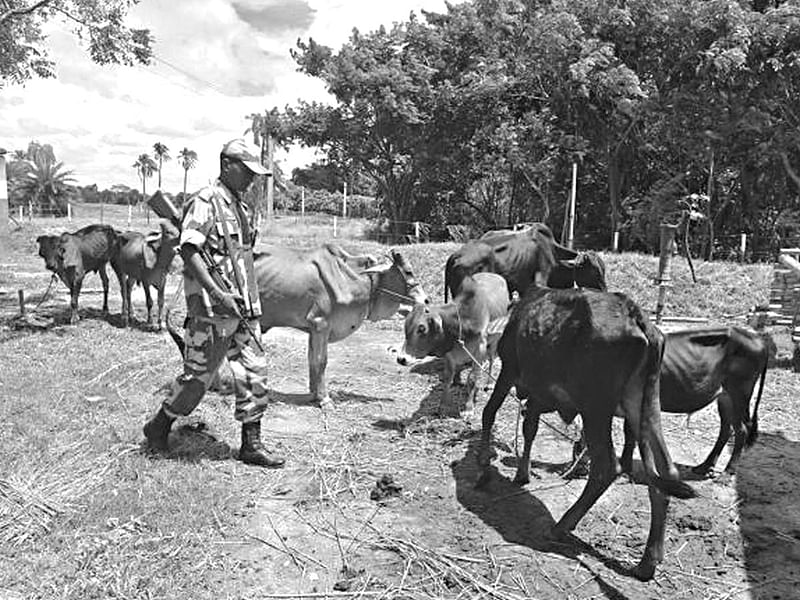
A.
pixel 150 252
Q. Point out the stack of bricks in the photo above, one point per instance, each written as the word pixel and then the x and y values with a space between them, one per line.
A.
pixel 784 298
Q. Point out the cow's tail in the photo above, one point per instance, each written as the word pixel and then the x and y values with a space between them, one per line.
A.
pixel 173 333
pixel 752 434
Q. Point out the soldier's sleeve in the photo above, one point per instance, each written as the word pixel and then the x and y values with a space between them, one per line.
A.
pixel 198 219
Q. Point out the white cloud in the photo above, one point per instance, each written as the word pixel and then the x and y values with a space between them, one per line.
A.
pixel 216 62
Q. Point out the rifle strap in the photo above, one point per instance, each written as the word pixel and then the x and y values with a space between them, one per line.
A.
pixel 237 275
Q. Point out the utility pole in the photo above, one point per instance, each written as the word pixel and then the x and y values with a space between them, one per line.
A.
pixel 572 201
pixel 344 200
pixel 270 178
pixel 4 241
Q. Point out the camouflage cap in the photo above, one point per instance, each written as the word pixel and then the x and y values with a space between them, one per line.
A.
pixel 246 153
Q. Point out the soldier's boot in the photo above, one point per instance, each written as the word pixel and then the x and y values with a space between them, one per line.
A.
pixel 253 450
pixel 156 430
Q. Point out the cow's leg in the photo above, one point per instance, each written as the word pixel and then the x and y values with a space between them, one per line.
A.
pixel 485 453
pixel 740 406
pixel 104 279
pixel 317 362
pixel 530 426
pixel 161 288
pixel 122 278
pixel 603 469
pixel 148 299
pixel 129 283
pixel 626 460
pixel 726 420
pixel 448 374
pixel 75 291
pixel 654 549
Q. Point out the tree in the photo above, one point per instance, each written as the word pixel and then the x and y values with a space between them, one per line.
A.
pixel 46 183
pixel 161 153
pixel 98 24
pixel 187 159
pixel 145 167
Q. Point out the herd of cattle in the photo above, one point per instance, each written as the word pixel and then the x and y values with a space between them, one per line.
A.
pixel 565 343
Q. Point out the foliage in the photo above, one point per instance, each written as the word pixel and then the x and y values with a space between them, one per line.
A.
pixel 161 153
pixel 145 167
pixel 476 116
pixel 99 25
pixel 36 177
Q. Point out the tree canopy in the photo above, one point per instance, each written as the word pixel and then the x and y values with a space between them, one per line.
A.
pixel 98 24
pixel 478 114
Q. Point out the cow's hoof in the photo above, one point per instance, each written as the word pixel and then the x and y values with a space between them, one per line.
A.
pixel 703 470
pixel 644 571
pixel 467 415
pixel 326 403
pixel 522 478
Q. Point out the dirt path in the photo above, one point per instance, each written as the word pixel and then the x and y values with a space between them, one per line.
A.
pixel 316 528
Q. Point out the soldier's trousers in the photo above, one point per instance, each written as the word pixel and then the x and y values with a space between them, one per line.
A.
pixel 208 341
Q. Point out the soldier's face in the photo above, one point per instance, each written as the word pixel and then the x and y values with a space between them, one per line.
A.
pixel 236 175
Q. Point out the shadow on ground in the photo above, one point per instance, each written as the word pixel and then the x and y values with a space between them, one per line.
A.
pixel 768 485
pixel 521 518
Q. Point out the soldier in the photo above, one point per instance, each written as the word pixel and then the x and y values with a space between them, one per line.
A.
pixel 222 306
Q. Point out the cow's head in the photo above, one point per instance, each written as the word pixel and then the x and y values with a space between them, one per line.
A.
pixel 394 286
pixel 424 333
pixel 49 251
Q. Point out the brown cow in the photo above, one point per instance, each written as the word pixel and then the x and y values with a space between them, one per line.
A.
pixel 594 353
pixel 463 332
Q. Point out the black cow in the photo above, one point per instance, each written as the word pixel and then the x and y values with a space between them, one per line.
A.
pixel 701 365
pixel 520 257
pixel 72 255
pixel 594 353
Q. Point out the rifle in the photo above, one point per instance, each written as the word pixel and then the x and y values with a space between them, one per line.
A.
pixel 167 210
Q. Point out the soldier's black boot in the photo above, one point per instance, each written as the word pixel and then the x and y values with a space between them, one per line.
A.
pixel 156 430
pixel 253 451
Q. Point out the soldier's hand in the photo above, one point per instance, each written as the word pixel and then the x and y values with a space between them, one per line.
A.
pixel 230 303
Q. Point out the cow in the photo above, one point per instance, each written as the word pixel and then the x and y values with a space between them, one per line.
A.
pixel 580 351
pixel 146 260
pixel 701 365
pixel 326 293
pixel 72 255
pixel 521 257
pixel 586 269
pixel 463 332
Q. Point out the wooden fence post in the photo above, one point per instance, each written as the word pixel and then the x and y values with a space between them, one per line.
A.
pixel 664 277
pixel 416 231
pixel 30 211
pixel 130 210
pixel 334 225
pixel 69 212
pixel 743 245
pixel 615 244
pixel 21 294
pixel 102 204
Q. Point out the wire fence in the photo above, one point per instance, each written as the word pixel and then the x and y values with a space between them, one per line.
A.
pixel 743 247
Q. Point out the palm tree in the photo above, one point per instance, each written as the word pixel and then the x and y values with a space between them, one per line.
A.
pixel 45 182
pixel 145 167
pixel 161 153
pixel 188 159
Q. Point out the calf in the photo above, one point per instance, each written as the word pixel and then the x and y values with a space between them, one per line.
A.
pixel 594 353
pixel 701 365
pixel 72 255
pixel 463 332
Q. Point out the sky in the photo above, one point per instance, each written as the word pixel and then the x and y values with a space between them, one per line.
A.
pixel 215 62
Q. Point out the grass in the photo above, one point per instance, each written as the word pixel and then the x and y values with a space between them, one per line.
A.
pixel 84 513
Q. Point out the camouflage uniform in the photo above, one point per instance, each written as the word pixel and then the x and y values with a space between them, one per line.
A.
pixel 211 334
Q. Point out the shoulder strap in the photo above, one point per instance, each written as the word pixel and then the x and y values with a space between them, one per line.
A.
pixel 228 243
